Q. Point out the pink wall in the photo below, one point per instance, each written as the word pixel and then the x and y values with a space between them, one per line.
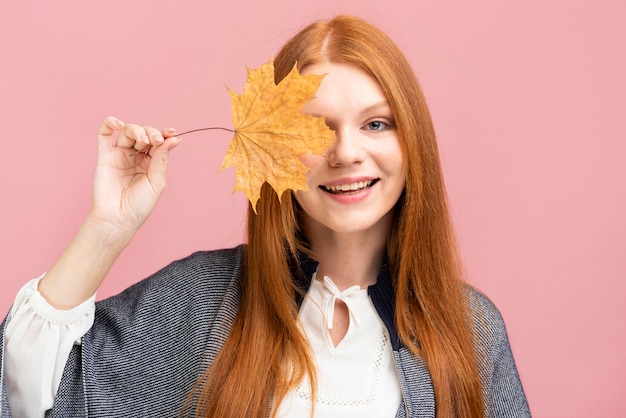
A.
pixel 528 101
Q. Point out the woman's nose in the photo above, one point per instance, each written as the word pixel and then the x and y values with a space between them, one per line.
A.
pixel 346 150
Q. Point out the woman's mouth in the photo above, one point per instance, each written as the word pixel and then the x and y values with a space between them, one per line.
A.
pixel 349 188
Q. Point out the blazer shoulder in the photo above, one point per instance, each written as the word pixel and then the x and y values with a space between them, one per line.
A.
pixel 205 274
pixel 487 319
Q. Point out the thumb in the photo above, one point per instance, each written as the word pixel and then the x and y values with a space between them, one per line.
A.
pixel 158 164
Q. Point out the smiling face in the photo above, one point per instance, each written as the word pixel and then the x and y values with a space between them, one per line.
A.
pixel 354 189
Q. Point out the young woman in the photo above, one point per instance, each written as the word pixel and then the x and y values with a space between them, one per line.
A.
pixel 346 301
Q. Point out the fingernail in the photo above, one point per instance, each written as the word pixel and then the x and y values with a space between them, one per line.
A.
pixel 118 122
pixel 170 130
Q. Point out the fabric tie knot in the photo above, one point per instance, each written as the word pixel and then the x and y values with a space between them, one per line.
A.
pixel 344 296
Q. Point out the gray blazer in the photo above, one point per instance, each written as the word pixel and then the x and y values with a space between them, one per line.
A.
pixel 149 345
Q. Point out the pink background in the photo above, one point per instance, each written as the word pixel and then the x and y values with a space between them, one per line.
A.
pixel 528 102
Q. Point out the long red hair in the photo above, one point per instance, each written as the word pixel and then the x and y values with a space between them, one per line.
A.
pixel 266 353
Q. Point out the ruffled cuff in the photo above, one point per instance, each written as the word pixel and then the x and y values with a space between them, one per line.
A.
pixel 38 341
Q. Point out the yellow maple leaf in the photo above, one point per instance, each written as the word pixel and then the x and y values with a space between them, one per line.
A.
pixel 271 132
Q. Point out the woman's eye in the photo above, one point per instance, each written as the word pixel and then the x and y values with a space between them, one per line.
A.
pixel 376 125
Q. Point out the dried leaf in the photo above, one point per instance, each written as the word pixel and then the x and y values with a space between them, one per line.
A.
pixel 271 132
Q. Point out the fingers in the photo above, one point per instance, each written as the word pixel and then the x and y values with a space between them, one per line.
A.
pixel 158 163
pixel 134 137
pixel 168 132
pixel 138 139
pixel 142 138
pixel 107 129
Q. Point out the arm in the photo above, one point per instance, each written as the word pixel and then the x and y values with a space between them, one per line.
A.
pixel 128 181
pixel 37 343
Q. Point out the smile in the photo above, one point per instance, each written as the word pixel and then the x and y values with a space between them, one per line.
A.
pixel 349 188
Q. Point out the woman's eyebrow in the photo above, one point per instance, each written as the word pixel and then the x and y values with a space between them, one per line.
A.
pixel 375 106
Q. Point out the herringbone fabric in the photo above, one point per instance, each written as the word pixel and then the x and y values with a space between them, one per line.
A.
pixel 149 345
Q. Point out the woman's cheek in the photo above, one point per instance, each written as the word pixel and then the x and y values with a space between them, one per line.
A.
pixel 312 161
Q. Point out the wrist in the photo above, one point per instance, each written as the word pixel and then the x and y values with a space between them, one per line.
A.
pixel 83 265
pixel 106 233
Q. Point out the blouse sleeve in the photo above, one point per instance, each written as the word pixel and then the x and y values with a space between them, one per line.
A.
pixel 38 340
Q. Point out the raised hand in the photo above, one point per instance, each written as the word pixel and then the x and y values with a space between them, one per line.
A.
pixel 130 173
pixel 129 179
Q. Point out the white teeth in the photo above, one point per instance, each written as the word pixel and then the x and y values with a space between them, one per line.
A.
pixel 348 187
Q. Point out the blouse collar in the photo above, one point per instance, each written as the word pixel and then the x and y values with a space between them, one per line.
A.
pixel 381 293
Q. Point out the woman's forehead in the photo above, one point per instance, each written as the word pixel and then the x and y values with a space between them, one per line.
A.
pixel 345 88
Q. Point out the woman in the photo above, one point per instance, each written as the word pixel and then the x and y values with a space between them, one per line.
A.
pixel 346 301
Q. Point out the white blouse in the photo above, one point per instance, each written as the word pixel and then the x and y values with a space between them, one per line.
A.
pixel 356 378
pixel 37 344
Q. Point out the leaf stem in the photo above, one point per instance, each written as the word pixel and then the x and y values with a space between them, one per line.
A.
pixel 205 129
pixel 189 132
